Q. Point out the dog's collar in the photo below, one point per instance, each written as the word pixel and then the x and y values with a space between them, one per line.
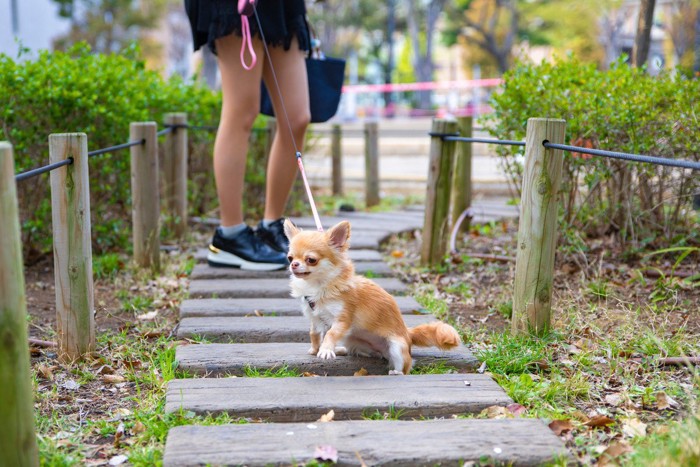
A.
pixel 311 303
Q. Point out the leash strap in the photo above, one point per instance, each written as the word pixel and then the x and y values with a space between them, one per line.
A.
pixel 252 5
pixel 247 39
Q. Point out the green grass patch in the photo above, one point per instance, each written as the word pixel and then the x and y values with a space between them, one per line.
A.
pixel 281 372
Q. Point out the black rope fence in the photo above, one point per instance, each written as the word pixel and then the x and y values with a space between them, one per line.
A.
pixel 41 170
pixel 679 163
pixel 98 152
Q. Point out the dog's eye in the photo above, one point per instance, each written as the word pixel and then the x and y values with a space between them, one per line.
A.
pixel 290 258
pixel 311 260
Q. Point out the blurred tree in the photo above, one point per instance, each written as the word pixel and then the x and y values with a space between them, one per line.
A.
pixel 682 30
pixel 422 19
pixel 642 40
pixel 111 25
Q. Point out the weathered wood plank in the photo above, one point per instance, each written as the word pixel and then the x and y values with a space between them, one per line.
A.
pixel 259 329
pixel 350 397
pixel 265 306
pixel 522 442
pixel 232 359
pixel 204 271
pixel 356 255
pixel 362 225
pixel 267 288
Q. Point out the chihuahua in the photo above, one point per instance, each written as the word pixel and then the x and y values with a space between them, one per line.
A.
pixel 351 310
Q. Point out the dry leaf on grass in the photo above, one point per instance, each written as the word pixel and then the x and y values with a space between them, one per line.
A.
pixel 516 409
pixel 615 450
pixel 560 426
pixel 614 399
pixel 118 460
pixel 633 427
pixel 497 412
pixel 113 379
pixel 45 371
pixel 138 427
pixel 361 372
pixel 326 453
pixel 664 401
pixel 150 316
pixel 118 434
pixel 308 374
pixel 599 421
pixel 327 417
pixel 397 254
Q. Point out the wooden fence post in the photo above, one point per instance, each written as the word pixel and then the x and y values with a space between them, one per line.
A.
pixel 145 209
pixel 18 442
pixel 462 180
pixel 371 164
pixel 436 226
pixel 337 159
pixel 72 247
pixel 175 173
pixel 537 233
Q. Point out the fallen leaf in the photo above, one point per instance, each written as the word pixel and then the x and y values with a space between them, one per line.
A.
pixel 560 426
pixel 615 450
pixel 113 379
pixel 664 401
pixel 496 412
pixel 516 409
pixel 308 374
pixel 481 368
pixel 326 453
pixel 613 399
pixel 118 460
pixel 361 372
pixel 71 385
pixel 599 421
pixel 150 316
pixel 138 427
pixel 45 371
pixel 257 313
pixel 327 417
pixel 634 427
pixel 105 370
pixel 118 434
pixel 397 254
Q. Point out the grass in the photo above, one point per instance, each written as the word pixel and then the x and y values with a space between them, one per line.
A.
pixel 392 414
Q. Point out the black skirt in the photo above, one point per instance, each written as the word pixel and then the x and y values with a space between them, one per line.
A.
pixel 281 21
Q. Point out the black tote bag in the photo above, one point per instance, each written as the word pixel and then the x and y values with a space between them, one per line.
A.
pixel 326 76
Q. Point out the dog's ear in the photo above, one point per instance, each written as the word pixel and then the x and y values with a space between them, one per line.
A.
pixel 338 235
pixel 290 230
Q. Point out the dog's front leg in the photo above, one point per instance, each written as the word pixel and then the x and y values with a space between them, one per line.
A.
pixel 334 334
pixel 315 340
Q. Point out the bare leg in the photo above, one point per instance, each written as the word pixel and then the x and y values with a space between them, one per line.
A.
pixel 290 70
pixel 241 104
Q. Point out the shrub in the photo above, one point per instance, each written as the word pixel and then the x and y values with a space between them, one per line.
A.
pixel 622 109
pixel 100 95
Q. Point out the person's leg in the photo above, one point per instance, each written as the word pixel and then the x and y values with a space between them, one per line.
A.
pixel 240 107
pixel 290 69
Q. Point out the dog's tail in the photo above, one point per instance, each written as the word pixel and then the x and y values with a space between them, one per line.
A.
pixel 435 334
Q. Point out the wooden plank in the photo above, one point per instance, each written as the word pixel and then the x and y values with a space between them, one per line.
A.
pixel 259 329
pixel 356 255
pixel 363 225
pixel 523 442
pixel 265 306
pixel 267 288
pixel 205 271
pixel 350 397
pixel 232 359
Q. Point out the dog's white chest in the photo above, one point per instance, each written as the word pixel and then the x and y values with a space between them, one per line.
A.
pixel 322 314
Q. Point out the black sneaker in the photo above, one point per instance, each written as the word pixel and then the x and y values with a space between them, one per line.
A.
pixel 274 235
pixel 245 251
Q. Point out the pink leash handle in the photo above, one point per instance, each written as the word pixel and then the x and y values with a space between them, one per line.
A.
pixel 246 8
pixel 317 219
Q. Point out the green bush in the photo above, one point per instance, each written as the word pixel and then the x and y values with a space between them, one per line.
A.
pixel 621 109
pixel 100 95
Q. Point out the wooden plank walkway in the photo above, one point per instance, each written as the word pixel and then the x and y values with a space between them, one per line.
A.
pixel 255 312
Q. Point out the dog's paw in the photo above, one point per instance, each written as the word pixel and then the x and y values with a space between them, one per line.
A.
pixel 395 372
pixel 326 354
pixel 312 350
pixel 340 350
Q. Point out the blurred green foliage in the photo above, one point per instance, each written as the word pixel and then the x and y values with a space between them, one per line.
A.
pixel 100 95
pixel 621 109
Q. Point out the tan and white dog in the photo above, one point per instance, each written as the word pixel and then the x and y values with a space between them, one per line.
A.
pixel 350 310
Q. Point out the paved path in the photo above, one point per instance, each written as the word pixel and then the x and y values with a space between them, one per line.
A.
pixel 257 326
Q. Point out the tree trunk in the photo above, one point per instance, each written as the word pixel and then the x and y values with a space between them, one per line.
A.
pixel 640 51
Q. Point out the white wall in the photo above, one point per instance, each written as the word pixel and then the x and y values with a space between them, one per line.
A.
pixel 39 23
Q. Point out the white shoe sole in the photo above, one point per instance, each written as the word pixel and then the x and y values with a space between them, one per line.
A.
pixel 223 258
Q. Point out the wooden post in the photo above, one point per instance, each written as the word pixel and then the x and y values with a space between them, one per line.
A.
pixel 537 233
pixel 145 199
pixel 72 247
pixel 371 164
pixel 271 129
pixel 436 226
pixel 462 180
pixel 18 442
pixel 337 159
pixel 175 173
